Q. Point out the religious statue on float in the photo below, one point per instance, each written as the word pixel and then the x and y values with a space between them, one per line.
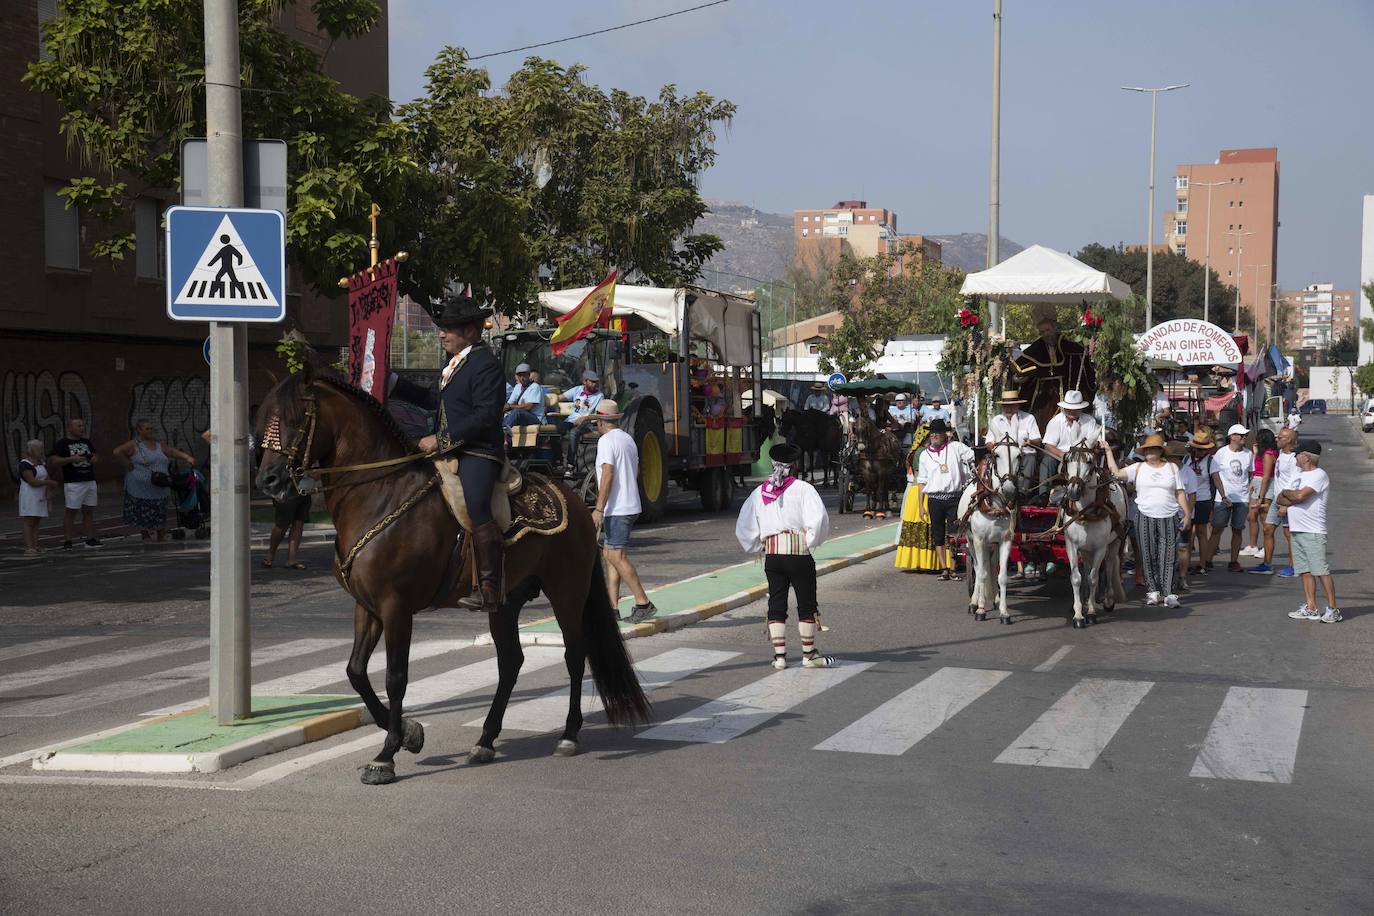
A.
pixel 1050 367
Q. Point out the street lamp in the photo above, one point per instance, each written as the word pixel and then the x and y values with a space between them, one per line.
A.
pixel 1207 258
pixel 1150 230
pixel 1235 328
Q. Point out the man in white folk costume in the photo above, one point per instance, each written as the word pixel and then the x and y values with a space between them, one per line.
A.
pixel 784 519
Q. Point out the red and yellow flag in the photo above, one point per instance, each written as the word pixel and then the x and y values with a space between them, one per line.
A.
pixel 594 310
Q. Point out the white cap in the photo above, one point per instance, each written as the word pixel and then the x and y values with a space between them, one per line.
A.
pixel 1238 430
pixel 522 368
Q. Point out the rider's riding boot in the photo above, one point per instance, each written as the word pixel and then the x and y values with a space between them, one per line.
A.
pixel 488 548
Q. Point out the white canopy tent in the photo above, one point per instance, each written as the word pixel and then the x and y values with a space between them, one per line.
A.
pixel 1041 274
pixel 724 320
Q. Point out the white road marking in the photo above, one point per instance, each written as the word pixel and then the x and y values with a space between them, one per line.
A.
pixel 896 726
pixel 157 680
pixel 324 675
pixel 19 650
pixel 1049 663
pixel 1075 729
pixel 752 705
pixel 21 679
pixel 549 712
pixel 1254 736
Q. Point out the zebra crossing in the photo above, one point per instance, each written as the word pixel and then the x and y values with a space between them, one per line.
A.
pixel 717 697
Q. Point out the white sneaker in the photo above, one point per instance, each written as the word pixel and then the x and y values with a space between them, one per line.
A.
pixel 816 660
pixel 1171 600
pixel 780 662
pixel 1151 598
pixel 1332 615
pixel 1305 613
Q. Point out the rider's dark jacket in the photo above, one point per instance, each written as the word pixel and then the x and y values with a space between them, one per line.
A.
pixel 471 405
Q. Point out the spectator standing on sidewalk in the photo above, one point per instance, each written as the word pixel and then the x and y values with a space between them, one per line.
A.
pixel 1305 506
pixel 76 456
pixel 784 519
pixel 35 488
pixel 617 507
pixel 1234 464
pixel 1285 477
pixel 288 521
pixel 146 481
pixel 1159 497
pixel 1266 453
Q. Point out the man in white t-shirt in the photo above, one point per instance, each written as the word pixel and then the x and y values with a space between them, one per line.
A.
pixel 617 506
pixel 1066 429
pixel 1233 464
pixel 1305 505
pixel 1285 477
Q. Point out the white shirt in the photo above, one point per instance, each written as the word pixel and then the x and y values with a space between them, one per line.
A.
pixel 1064 435
pixel 1309 516
pixel 798 509
pixel 1021 427
pixel 617 448
pixel 1234 468
pixel 946 472
pixel 1202 476
pixel 453 365
pixel 1286 471
pixel 1189 481
pixel 1156 489
pixel 1294 420
pixel 817 401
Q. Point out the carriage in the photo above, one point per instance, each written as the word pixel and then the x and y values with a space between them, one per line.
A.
pixel 853 464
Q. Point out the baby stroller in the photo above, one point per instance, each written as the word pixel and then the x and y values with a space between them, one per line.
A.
pixel 191 492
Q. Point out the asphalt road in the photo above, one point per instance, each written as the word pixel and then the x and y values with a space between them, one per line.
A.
pixel 1204 759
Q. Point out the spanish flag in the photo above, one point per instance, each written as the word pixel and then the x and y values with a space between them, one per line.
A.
pixel 593 311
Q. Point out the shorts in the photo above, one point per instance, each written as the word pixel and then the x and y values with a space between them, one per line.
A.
pixel 615 530
pixel 944 515
pixel 1272 517
pixel 1309 554
pixel 1202 511
pixel 1255 487
pixel 79 495
pixel 287 513
pixel 1234 515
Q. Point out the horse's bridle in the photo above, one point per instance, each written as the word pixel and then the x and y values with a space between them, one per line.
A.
pixel 987 492
pixel 1079 451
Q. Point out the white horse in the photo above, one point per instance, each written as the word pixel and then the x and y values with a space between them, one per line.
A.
pixel 990 507
pixel 1094 521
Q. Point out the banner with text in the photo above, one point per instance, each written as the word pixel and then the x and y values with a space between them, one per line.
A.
pixel 371 314
pixel 1190 342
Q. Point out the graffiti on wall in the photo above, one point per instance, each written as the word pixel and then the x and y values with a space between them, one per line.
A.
pixel 36 405
pixel 179 409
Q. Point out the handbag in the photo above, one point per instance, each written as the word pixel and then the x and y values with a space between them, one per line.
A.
pixel 160 479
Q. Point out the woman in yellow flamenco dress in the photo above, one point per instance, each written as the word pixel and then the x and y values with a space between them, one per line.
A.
pixel 914 551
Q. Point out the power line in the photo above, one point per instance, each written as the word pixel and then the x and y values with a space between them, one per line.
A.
pixel 614 28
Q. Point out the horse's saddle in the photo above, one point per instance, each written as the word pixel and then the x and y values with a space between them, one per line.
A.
pixel 521 504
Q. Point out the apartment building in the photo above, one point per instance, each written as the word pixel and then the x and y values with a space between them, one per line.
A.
pixel 1317 314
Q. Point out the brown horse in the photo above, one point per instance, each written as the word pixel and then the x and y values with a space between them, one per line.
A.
pixel 876 457
pixel 395 555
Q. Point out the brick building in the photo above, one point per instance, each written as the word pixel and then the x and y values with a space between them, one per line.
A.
pixel 80 337
pixel 1317 314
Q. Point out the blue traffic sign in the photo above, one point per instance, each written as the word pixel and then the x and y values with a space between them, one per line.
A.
pixel 226 265
pixel 836 378
pixel 205 351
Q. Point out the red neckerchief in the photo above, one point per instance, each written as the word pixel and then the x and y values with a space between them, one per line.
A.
pixel 770 492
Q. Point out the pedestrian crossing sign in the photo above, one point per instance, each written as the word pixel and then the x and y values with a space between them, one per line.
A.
pixel 226 265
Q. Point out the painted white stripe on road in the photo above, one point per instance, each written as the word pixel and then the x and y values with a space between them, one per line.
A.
pixel 47 645
pixel 1049 663
pixel 1075 730
pixel 22 679
pixel 896 726
pixel 751 706
pixel 550 712
pixel 158 680
pixel 1254 736
pixel 324 675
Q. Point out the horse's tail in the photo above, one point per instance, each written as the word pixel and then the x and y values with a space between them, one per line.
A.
pixel 614 675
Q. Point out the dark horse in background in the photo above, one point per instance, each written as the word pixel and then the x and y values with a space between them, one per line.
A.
pixel 819 436
pixel 876 456
pixel 410 564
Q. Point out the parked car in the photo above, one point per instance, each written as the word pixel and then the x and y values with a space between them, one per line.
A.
pixel 1367 416
pixel 1316 405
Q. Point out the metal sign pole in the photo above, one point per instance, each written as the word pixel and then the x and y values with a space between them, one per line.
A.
pixel 230 635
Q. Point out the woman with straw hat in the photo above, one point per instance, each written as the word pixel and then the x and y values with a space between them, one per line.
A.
pixel 1159 496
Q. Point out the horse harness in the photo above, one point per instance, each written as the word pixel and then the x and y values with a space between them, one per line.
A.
pixel 1101 506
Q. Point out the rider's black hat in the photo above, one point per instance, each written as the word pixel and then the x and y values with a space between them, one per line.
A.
pixel 453 311
pixel 784 453
pixel 938 425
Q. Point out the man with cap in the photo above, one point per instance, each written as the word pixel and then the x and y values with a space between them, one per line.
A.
pixel 1066 429
pixel 470 438
pixel 1233 464
pixel 584 399
pixel 617 506
pixel 944 470
pixel 906 417
pixel 817 399
pixel 784 519
pixel 525 402
pixel 1305 506
pixel 1018 425
pixel 934 410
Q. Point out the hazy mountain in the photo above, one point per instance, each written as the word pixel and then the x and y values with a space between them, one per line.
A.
pixel 969 250
pixel 757 244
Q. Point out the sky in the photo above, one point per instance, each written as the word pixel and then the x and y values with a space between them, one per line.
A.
pixel 890 101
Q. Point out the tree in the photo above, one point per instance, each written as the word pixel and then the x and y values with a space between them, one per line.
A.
pixel 1178 284
pixel 1343 349
pixel 1364 378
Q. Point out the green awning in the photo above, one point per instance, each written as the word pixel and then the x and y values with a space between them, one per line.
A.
pixel 878 386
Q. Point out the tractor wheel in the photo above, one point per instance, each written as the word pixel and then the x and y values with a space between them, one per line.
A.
pixel 653 465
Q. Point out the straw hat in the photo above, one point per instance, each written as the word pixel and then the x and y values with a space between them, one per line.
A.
pixel 1011 396
pixel 1154 440
pixel 607 410
pixel 1202 439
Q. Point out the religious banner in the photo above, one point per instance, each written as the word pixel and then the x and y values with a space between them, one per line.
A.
pixel 371 315
pixel 1190 342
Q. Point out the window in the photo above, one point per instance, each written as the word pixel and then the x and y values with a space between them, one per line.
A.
pixel 148 237
pixel 47 9
pixel 1182 205
pixel 1230 251
pixel 1230 227
pixel 1180 182
pixel 1240 203
pixel 1242 181
pixel 806 219
pixel 805 233
pixel 1180 227
pixel 1230 203
pixel 61 230
pixel 1183 250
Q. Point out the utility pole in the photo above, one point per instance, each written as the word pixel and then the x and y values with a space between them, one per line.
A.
pixel 230 620
pixel 1257 268
pixel 1235 328
pixel 994 180
pixel 1150 217
pixel 1207 266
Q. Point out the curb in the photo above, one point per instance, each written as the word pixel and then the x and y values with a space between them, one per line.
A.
pixel 700 612
pixel 316 729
